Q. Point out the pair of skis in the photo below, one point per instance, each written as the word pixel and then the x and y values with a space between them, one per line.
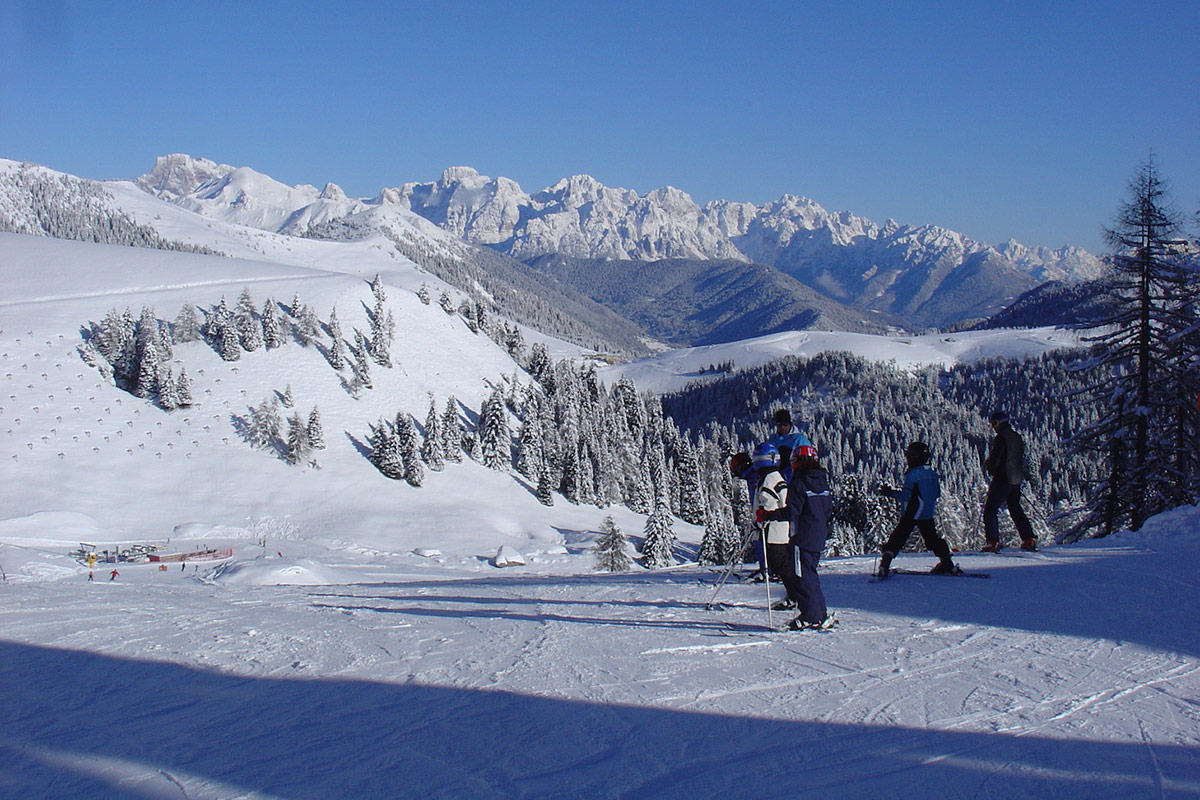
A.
pixel 959 574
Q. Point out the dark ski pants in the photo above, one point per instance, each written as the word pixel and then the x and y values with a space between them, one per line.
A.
pixel 798 570
pixel 934 543
pixel 1003 493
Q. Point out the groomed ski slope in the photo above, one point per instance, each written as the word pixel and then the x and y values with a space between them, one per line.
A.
pixel 1070 674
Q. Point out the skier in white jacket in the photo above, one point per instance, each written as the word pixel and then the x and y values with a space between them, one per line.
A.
pixel 771 495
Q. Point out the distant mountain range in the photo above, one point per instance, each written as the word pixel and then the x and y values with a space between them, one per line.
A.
pixel 689 274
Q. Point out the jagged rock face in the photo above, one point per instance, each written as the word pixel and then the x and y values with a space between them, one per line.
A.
pixel 927 274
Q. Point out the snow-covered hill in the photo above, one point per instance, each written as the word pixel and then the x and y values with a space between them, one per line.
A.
pixel 671 370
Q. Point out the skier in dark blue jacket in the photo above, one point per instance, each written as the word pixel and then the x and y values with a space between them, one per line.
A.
pixel 808 511
pixel 918 503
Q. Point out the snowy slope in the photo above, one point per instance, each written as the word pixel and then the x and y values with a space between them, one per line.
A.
pixel 672 370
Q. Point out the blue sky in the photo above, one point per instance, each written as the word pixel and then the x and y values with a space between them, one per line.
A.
pixel 1001 120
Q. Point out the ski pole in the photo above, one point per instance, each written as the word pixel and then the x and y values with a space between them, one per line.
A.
pixel 767 577
pixel 729 570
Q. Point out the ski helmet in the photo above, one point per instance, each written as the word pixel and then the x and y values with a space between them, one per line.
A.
pixel 917 454
pixel 766 456
pixel 738 463
pixel 804 451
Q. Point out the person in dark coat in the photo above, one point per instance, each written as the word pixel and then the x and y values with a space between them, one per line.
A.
pixel 918 503
pixel 808 510
pixel 1005 465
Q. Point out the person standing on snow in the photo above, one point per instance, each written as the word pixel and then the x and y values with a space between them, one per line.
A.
pixel 1005 465
pixel 772 496
pixel 808 510
pixel 918 503
pixel 786 439
pixel 742 466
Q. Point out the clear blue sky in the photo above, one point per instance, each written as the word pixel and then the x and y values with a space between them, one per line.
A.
pixel 998 119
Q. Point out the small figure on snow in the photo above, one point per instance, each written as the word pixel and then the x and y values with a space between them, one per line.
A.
pixel 91 576
pixel 112 576
pixel 918 504
pixel 1006 466
pixel 808 509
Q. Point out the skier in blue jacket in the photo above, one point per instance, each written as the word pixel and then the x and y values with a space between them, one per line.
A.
pixel 808 511
pixel 786 439
pixel 918 503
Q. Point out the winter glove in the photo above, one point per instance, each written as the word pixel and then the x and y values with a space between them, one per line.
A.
pixel 760 515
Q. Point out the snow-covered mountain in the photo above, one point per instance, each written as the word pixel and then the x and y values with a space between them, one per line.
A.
pixel 926 275
pixel 924 272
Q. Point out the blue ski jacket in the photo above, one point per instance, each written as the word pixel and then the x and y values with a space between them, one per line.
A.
pixel 918 499
pixel 810 508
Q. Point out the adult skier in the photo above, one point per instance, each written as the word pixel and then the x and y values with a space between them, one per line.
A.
pixel 1006 465
pixel 772 496
pixel 786 439
pixel 918 502
pixel 808 509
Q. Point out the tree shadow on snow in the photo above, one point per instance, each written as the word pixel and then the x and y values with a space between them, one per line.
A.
pixel 78 724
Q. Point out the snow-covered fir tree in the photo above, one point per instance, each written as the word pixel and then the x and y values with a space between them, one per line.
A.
pixel 298 446
pixel 658 543
pixel 249 328
pixel 308 327
pixel 433 447
pixel 377 288
pixel 610 548
pixel 148 370
pixel 274 334
pixel 265 424
pixel 361 365
pixel 408 441
pixel 316 431
pixel 168 391
pixel 423 294
pixel 545 484
pixel 494 437
pixel 337 350
pixel 385 451
pixel 184 389
pixel 297 307
pixel 187 325
pixel 452 444
pixel 447 303
pixel 286 397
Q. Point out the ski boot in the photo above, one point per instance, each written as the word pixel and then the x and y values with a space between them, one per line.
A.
pixel 786 604
pixel 990 547
pixel 798 624
pixel 1029 545
pixel 757 576
pixel 946 567
pixel 885 564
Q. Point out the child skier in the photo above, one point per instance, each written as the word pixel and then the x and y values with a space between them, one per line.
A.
pixel 772 496
pixel 808 509
pixel 918 503
pixel 741 466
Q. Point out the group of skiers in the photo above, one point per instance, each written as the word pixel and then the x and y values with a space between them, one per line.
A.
pixel 789 491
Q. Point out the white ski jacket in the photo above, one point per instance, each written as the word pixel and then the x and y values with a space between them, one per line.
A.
pixel 772 496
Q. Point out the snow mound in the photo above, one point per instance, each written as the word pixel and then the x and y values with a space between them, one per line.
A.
pixel 302 572
pixel 54 528
pixel 509 556
pixel 205 530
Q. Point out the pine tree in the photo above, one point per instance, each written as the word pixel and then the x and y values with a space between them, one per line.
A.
pixel 184 389
pixel 452 444
pixel 447 303
pixel 691 492
pixel 1138 387
pixel 494 437
pixel 308 327
pixel 610 548
pixel 423 294
pixel 228 346
pixel 362 362
pixel 297 307
pixel 377 288
pixel 316 432
pixel 249 329
pixel 265 424
pixel 187 325
pixel 337 350
pixel 168 392
pixel 385 451
pixel 658 542
pixel 380 342
pixel 432 449
pixel 148 369
pixel 545 479
pixel 297 440
pixel 406 441
pixel 272 326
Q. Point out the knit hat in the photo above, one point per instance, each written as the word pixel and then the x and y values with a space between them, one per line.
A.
pixel 783 417
pixel 998 416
